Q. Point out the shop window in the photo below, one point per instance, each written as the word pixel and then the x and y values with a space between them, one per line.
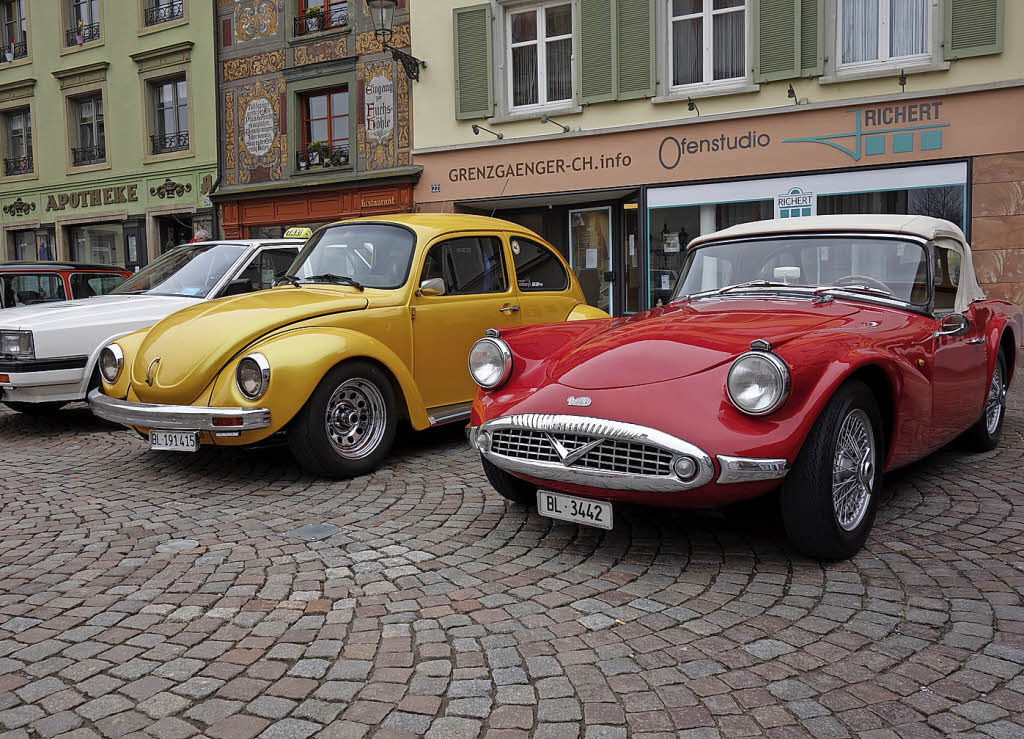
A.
pixel 84 22
pixel 170 115
pixel 98 244
pixel 15 38
pixel 173 231
pixel 468 266
pixel 31 288
pixel 267 266
pixel 325 129
pixel 18 129
pixel 84 285
pixel 539 55
pixel 937 202
pixel 537 268
pixel 320 15
pixel 880 32
pixel 89 137
pixel 162 11
pixel 24 246
pixel 708 41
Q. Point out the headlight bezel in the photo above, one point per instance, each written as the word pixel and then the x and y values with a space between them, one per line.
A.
pixel 781 369
pixel 118 355
pixel 263 366
pixel 26 348
pixel 504 352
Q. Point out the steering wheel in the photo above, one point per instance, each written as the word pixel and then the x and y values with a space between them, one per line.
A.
pixel 862 280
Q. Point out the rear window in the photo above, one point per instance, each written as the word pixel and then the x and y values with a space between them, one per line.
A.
pixel 89 285
pixel 28 289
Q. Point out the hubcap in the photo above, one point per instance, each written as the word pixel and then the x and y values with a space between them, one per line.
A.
pixel 853 469
pixel 995 401
pixel 356 418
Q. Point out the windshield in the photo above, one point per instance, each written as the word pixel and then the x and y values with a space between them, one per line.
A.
pixel 893 268
pixel 188 271
pixel 371 254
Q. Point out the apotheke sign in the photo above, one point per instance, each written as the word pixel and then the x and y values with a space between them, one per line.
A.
pixel 93 198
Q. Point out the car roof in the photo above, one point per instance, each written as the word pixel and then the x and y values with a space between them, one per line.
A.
pixel 924 227
pixel 246 242
pixel 433 224
pixel 53 266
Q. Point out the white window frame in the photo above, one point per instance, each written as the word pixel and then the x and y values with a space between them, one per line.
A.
pixel 884 60
pixel 540 42
pixel 707 13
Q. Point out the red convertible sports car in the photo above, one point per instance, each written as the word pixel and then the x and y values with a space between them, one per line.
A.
pixel 806 355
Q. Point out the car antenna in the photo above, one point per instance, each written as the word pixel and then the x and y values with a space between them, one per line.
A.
pixel 495 208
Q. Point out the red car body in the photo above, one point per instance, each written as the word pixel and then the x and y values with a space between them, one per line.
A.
pixel 25 283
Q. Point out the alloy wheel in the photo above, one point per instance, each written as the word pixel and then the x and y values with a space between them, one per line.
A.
pixel 356 418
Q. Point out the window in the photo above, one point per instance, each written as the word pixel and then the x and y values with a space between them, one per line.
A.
pixel 25 246
pixel 468 266
pixel 536 267
pixel 90 143
pixel 540 55
pixel 170 116
pixel 708 41
pixel 98 244
pixel 84 18
pixel 19 142
pixel 161 11
pixel 86 285
pixel 267 267
pixel 320 15
pixel 15 38
pixel 880 31
pixel 26 289
pixel 373 254
pixel 325 129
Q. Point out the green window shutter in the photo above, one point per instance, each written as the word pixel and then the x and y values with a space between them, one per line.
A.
pixel 973 28
pixel 474 92
pixel 776 40
pixel 595 68
pixel 635 63
pixel 812 37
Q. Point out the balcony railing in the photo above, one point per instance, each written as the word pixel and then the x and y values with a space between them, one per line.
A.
pixel 88 155
pixel 313 22
pixel 82 34
pixel 321 156
pixel 11 52
pixel 18 165
pixel 164 12
pixel 163 144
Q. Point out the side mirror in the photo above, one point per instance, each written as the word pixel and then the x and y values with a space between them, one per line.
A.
pixel 955 324
pixel 431 287
pixel 238 287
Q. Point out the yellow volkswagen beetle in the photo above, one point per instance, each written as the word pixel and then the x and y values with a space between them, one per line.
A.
pixel 374 325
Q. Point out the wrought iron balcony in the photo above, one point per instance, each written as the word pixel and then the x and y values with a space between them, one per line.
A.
pixel 11 52
pixel 321 156
pixel 18 165
pixel 88 155
pixel 313 22
pixel 82 34
pixel 163 144
pixel 164 12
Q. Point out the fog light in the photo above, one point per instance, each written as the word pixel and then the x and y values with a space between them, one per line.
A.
pixel 685 468
pixel 483 441
pixel 5 378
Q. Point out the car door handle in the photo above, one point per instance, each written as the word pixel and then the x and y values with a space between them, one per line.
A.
pixel 509 309
pixel 978 340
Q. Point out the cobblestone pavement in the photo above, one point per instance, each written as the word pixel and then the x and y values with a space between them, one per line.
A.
pixel 225 594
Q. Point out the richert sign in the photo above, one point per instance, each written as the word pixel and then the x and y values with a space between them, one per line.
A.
pixel 93 198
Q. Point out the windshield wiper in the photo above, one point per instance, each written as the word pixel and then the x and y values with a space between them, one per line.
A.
pixel 328 277
pixel 752 283
pixel 862 288
pixel 290 279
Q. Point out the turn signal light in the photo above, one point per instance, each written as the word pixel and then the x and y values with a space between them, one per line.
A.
pixel 227 421
pixel 5 378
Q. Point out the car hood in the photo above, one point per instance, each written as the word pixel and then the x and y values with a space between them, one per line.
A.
pixel 681 340
pixel 194 344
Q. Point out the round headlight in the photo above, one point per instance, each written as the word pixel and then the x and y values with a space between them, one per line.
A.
pixel 490 362
pixel 110 362
pixel 758 382
pixel 253 376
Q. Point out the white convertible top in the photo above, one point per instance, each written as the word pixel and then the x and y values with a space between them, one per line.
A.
pixel 942 233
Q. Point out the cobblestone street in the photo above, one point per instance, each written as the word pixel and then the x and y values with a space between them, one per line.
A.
pixel 226 594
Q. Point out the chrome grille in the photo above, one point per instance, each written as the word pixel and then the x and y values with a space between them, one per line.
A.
pixel 612 455
pixel 628 456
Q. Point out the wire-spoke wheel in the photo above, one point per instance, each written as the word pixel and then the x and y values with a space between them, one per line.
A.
pixel 356 418
pixel 984 435
pixel 853 470
pixel 996 400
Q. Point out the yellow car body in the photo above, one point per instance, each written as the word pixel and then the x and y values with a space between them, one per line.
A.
pixel 420 341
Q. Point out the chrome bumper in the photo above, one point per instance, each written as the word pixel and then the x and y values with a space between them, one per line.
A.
pixel 177 417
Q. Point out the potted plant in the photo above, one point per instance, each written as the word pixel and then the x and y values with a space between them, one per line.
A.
pixel 317 152
pixel 79 33
pixel 339 157
pixel 314 18
pixel 303 162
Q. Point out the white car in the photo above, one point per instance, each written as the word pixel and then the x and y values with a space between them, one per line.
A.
pixel 48 352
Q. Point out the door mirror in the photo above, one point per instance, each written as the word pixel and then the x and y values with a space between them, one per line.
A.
pixel 432 287
pixel 955 324
pixel 238 287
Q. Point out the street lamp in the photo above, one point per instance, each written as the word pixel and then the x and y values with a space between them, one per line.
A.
pixel 382 12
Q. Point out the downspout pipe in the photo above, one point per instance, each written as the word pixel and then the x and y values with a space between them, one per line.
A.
pixel 219 120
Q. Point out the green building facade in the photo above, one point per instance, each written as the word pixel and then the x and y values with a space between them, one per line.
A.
pixel 107 128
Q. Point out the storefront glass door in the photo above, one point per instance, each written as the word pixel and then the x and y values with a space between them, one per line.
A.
pixel 590 254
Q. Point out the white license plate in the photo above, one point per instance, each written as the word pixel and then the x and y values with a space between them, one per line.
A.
pixel 174 441
pixel 577 510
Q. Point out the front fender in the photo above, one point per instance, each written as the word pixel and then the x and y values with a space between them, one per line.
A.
pixel 299 359
pixel 129 344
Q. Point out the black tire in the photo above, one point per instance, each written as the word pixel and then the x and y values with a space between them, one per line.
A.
pixel 982 436
pixel 809 511
pixel 359 393
pixel 511 487
pixel 35 409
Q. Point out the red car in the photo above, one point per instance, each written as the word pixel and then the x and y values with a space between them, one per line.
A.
pixel 27 283
pixel 806 355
